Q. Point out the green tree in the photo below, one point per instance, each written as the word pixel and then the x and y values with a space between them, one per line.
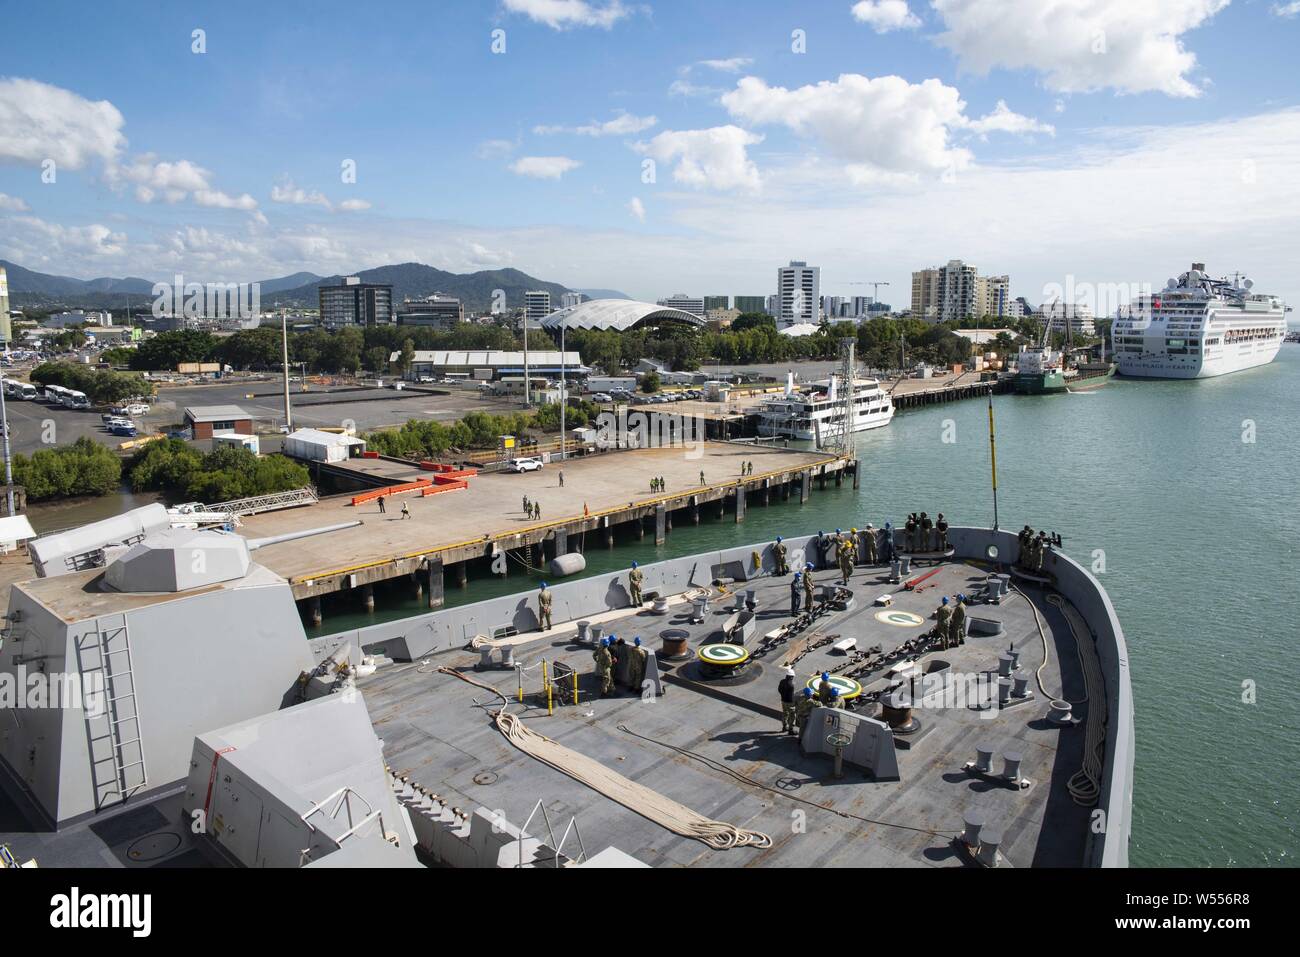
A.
pixel 650 382
pixel 167 350
pixel 83 468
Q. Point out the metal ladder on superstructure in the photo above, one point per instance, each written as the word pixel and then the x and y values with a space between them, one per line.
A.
pixel 114 734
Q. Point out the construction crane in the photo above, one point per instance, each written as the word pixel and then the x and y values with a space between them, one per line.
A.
pixel 875 288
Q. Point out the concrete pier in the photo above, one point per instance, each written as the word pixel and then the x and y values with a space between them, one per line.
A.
pixel 601 492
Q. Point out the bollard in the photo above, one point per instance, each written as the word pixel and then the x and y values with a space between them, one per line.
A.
pixel 1021 687
pixel 1004 665
pixel 1012 770
pixel 974 821
pixel 988 852
pixel 983 758
pixel 1004 690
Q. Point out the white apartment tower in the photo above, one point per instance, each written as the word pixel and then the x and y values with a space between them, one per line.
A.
pixel 537 306
pixel 798 293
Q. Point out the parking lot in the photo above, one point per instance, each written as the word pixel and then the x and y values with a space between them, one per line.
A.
pixel 35 425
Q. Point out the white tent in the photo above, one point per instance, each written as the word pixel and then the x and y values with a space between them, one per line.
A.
pixel 14 530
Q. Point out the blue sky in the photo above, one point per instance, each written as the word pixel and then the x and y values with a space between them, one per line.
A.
pixel 1078 141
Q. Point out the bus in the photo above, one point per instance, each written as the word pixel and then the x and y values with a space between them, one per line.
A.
pixel 26 391
pixel 54 394
pixel 75 400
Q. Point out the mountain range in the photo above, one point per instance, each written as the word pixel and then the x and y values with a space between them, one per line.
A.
pixel 409 280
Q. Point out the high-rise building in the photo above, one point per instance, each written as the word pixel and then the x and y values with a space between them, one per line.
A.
pixel 572 299
pixel 1058 314
pixel 537 306
pixel 835 307
pixel 714 303
pixel 798 291
pixel 994 295
pixel 925 294
pixel 356 303
pixel 436 311
pixel 679 300
pixel 6 328
pixel 956 291
pixel 751 303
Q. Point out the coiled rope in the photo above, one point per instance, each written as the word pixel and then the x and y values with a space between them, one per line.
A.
pixel 1085 784
pixel 637 798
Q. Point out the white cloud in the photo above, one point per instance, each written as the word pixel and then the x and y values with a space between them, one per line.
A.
pixel 495 149
pixel 884 125
pixel 33 240
pixel 1003 120
pixel 563 14
pixel 12 203
pixel 543 167
pixel 1287 10
pixel 354 205
pixel 215 199
pixel 39 122
pixel 637 209
pixel 173 181
pixel 622 125
pixel 1080 45
pixel 287 192
pixel 714 158
pixel 730 65
pixel 684 87
pixel 885 15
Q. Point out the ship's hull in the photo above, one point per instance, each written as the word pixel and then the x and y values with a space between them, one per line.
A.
pixel 780 429
pixel 1090 378
pixel 1227 360
pixel 1039 383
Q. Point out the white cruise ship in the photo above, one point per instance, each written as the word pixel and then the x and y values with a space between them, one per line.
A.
pixel 815 413
pixel 1198 327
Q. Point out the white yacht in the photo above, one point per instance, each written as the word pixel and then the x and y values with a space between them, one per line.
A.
pixel 1198 327
pixel 814 412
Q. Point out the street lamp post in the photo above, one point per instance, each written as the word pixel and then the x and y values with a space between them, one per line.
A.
pixel 9 471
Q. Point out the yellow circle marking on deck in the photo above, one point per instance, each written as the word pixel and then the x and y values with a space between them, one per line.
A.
pixel 903 619
pixel 847 686
pixel 722 654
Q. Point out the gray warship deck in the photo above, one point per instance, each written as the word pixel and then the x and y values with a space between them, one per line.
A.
pixel 437 730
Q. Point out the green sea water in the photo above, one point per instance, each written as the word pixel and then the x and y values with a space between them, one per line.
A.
pixel 1181 495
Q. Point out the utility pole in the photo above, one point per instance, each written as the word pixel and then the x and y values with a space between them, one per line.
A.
pixel 528 382
pixel 9 472
pixel 284 341
pixel 564 394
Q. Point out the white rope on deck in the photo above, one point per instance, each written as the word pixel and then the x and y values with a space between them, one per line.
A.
pixel 638 798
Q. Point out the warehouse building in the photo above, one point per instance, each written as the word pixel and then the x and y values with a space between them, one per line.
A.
pixel 491 365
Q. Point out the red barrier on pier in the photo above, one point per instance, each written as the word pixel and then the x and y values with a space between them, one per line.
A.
pixel 373 494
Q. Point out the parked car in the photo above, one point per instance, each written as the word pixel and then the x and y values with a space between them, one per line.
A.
pixel 602 397
pixel 137 408
pixel 126 429
pixel 526 465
